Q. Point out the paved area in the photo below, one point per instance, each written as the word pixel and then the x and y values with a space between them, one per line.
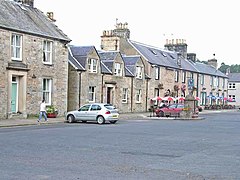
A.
pixel 124 116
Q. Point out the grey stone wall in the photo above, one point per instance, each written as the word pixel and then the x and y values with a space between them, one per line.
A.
pixel 73 88
pixel 32 55
pixel 4 56
pixel 58 72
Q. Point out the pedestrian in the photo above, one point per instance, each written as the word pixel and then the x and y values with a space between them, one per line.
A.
pixel 42 111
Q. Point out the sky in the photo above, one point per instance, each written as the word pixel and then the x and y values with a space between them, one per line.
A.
pixel 208 26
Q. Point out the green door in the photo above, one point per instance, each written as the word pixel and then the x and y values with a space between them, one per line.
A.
pixel 14 97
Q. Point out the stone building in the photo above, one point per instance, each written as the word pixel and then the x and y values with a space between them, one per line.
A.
pixel 234 88
pixel 84 77
pixel 171 71
pixel 109 77
pixel 33 60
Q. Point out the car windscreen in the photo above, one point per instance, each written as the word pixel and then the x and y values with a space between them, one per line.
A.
pixel 110 107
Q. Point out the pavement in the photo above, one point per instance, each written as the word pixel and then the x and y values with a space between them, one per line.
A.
pixel 122 116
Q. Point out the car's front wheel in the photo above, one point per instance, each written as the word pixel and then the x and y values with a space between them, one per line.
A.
pixel 71 119
pixel 112 122
pixel 100 120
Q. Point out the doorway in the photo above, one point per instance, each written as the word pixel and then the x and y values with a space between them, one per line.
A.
pixel 110 95
pixel 14 95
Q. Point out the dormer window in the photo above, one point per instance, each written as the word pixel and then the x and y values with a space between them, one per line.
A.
pixel 47 52
pixel 16 47
pixel 92 65
pixel 118 69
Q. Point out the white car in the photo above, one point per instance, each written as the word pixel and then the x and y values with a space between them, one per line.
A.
pixel 99 112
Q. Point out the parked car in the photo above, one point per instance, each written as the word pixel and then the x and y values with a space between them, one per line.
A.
pixel 172 110
pixel 99 112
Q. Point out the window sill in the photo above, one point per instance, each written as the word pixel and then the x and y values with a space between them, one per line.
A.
pixel 48 64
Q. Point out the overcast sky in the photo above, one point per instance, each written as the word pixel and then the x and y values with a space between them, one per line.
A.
pixel 209 26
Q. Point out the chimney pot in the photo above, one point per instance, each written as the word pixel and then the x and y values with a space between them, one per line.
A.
pixel 50 16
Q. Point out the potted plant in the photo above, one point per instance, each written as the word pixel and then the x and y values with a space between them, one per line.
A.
pixel 51 112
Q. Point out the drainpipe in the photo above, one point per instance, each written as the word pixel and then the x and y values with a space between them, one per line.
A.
pixel 102 89
pixel 146 95
pixel 79 88
pixel 197 102
pixel 132 94
pixel 197 85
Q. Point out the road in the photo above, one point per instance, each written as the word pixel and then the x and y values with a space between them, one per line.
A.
pixel 130 149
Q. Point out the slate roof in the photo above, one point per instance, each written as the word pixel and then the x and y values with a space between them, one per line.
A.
pixel 168 59
pixel 75 63
pixel 79 54
pixel 155 55
pixel 23 18
pixel 108 57
pixel 130 63
pixel 104 69
pixel 234 77
pixel 208 69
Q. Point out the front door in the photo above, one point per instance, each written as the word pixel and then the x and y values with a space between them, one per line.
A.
pixel 14 97
pixel 109 90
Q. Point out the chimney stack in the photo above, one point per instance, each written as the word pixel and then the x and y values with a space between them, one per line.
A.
pixel 192 57
pixel 213 62
pixel 26 2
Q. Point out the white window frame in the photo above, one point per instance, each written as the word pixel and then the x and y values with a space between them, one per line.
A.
pixel 176 76
pixel 183 76
pixel 139 73
pixel 138 95
pixel 47 52
pixel 92 65
pixel 202 79
pixel 211 80
pixel 156 92
pixel 231 85
pixel 16 47
pixel 223 82
pixel 91 93
pixel 233 97
pixel 47 90
pixel 157 73
pixel 117 69
pixel 191 75
pixel 124 95
pixel 215 81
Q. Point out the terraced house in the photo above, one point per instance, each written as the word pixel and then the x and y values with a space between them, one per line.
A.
pixel 141 72
pixel 171 69
pixel 109 77
pixel 33 60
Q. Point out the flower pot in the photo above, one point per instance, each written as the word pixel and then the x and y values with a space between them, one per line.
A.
pixel 51 115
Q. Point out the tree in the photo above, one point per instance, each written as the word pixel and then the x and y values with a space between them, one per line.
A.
pixel 233 68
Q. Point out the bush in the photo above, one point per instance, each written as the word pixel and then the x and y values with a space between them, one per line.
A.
pixel 51 110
